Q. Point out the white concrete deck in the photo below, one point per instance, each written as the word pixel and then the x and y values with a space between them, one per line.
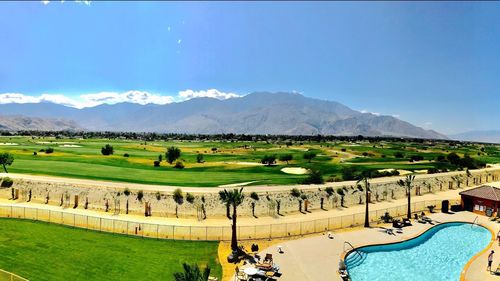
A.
pixel 316 258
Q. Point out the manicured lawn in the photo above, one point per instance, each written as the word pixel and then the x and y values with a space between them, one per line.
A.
pixel 42 251
pixel 223 162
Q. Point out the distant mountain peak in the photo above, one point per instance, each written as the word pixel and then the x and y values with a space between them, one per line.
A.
pixel 285 113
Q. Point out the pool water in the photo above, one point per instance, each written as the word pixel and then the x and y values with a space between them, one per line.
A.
pixel 439 254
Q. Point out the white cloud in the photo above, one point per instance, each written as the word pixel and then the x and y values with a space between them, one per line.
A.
pixel 94 99
pixel 140 97
pixel 85 2
pixel 179 41
pixel 427 124
pixel 211 93
pixel 366 111
pixel 168 29
pixel 395 115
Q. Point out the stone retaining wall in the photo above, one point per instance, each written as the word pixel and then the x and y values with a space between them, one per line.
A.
pixel 162 203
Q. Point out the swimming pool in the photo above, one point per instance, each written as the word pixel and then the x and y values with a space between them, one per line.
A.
pixel 438 254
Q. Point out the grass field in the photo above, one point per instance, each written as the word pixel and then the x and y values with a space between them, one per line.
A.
pixel 231 162
pixel 42 251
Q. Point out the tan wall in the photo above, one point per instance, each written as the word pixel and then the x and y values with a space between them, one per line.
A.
pixel 97 195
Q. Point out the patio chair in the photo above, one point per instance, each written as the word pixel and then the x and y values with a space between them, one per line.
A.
pixel 268 258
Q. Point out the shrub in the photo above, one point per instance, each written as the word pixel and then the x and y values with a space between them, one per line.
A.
pixel 399 155
pixel 107 150
pixel 179 165
pixel 126 155
pixel 295 192
pixel 254 196
pixel 199 158
pixel 156 163
pixel 49 150
pixel 329 190
pixel 286 157
pixel 416 158
pixel 315 177
pixel 309 155
pixel 140 195
pixel 268 159
pixel 190 198
pixel 173 153
pixel 7 182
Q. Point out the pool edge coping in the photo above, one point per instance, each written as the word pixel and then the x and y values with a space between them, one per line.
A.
pixel 476 256
pixel 344 254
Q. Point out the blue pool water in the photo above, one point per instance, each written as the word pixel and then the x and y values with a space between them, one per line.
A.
pixel 439 254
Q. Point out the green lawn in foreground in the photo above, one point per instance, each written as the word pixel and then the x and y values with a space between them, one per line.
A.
pixel 42 251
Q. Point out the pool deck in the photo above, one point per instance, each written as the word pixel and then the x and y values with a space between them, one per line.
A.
pixel 316 258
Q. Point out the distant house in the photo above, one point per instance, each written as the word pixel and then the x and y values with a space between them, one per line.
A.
pixel 483 200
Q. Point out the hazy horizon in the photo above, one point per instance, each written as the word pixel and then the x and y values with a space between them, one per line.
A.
pixel 432 64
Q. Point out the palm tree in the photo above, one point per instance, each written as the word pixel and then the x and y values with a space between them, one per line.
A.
pixel 233 198
pixel 222 196
pixel 178 197
pixel 458 180
pixel 192 273
pixel 407 184
pixel 365 182
pixel 127 193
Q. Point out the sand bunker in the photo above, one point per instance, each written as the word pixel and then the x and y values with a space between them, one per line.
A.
pixel 70 145
pixel 245 163
pixel 54 142
pixel 237 184
pixel 8 143
pixel 294 171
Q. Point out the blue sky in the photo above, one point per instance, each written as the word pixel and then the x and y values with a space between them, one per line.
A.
pixel 434 64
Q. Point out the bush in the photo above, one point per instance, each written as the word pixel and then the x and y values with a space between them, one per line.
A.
pixel 190 198
pixel 399 155
pixel 416 158
pixel 315 177
pixel 295 192
pixel 286 157
pixel 49 150
pixel 7 182
pixel 173 153
pixel 432 171
pixel 140 195
pixel 107 150
pixel 179 165
pixel 268 160
pixel 156 163
pixel 199 158
pixel 309 155
pixel 126 155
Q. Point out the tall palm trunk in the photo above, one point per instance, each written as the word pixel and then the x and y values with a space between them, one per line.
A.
pixel 367 220
pixel 409 204
pixel 234 241
pixel 5 168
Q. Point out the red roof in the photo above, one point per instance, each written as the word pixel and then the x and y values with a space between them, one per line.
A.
pixel 483 192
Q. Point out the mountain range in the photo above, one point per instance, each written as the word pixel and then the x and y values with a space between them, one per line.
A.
pixel 255 113
pixel 488 136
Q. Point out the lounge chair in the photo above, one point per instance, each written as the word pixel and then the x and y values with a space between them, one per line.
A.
pixel 264 266
pixel 497 272
pixel 406 222
pixel 390 231
pixel 268 258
